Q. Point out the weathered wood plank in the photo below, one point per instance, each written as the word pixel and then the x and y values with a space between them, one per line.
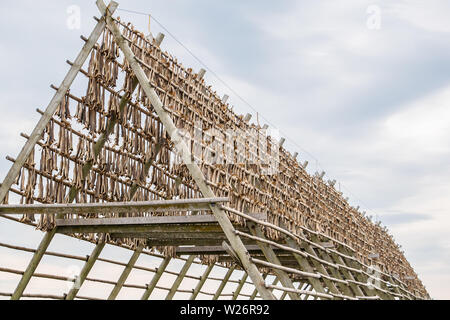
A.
pixel 110 207
pixel 212 250
pixel 152 220
pixel 188 242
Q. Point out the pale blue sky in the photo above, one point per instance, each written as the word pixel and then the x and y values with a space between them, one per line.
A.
pixel 367 106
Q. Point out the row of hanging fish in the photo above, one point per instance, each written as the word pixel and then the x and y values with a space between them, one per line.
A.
pixel 107 144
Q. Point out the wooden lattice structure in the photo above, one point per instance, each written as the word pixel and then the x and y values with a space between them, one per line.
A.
pixel 110 167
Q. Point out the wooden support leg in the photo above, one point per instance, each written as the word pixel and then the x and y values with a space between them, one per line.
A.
pixel 224 282
pixel 361 277
pixel 239 288
pixel 126 273
pixel 272 257
pixel 37 256
pixel 201 282
pixel 159 272
pixel 235 242
pixel 305 266
pixel 331 286
pixel 180 278
pixel 85 271
pixel 397 290
pixel 255 292
pixel 348 275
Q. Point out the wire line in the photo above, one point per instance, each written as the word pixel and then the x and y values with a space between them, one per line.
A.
pixel 317 162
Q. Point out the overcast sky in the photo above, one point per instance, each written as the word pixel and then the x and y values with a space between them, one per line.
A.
pixel 359 88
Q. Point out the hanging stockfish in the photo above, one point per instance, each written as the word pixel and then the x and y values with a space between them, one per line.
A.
pixel 63 109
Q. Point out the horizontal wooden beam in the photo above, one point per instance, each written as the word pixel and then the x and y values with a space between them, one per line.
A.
pixel 136 225
pixel 142 229
pixel 113 207
pixel 172 235
pixel 150 220
pixel 188 242
pixel 213 250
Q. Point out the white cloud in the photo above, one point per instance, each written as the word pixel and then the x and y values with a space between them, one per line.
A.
pixel 328 58
pixel 431 15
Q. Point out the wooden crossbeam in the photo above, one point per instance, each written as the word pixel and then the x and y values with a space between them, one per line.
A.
pixel 202 204
pixel 137 229
pixel 213 250
pixel 188 242
pixel 140 226
pixel 150 220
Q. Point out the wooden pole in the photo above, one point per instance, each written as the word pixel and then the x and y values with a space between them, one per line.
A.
pixel 304 265
pixel 255 291
pixel 180 145
pixel 32 265
pixel 348 275
pixel 272 257
pixel 201 282
pixel 224 282
pixel 336 274
pixel 159 272
pixel 180 278
pixel 116 207
pixel 85 271
pixel 239 287
pixel 126 272
pixel 360 277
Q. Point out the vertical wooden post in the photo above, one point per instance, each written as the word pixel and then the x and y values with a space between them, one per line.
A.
pixel 235 242
pixel 201 282
pixel 159 272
